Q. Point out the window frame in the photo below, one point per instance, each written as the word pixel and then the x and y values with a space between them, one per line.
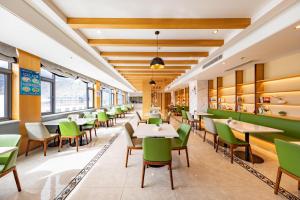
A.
pixel 8 92
pixel 88 89
pixel 52 92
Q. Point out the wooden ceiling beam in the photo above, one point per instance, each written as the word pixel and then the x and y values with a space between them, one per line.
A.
pixel 121 68
pixel 150 73
pixel 153 43
pixel 159 23
pixel 167 62
pixel 154 54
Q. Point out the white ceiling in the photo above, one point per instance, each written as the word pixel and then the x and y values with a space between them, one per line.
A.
pixel 160 8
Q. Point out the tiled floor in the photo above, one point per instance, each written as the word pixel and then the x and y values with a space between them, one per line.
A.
pixel 211 176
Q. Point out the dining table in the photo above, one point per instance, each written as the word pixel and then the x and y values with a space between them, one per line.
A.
pixel 4 150
pixel 152 130
pixel 80 123
pixel 246 129
pixel 200 115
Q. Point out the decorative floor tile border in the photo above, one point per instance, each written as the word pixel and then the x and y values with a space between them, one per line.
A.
pixel 75 181
pixel 254 172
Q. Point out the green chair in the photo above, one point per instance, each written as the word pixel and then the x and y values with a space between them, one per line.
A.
pixel 119 112
pixel 184 116
pixel 103 118
pixel 289 159
pixel 91 125
pixel 180 143
pixel 8 160
pixel 157 152
pixel 69 130
pixel 132 142
pixel 124 109
pixel 226 136
pixel 178 110
pixel 156 121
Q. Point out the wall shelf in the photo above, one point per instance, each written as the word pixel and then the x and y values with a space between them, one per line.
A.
pixel 279 78
pixel 274 92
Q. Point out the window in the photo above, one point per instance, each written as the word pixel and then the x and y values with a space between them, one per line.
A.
pixel 105 98
pixel 90 95
pixel 120 98
pixel 47 88
pixel 70 94
pixel 5 90
pixel 112 96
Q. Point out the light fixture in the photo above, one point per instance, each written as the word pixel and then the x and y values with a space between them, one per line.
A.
pixel 297 27
pixel 223 63
pixel 152 82
pixel 157 62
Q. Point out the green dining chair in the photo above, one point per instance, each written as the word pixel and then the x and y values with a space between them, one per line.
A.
pixel 124 109
pixel 184 116
pixel 119 112
pixel 289 159
pixel 68 131
pixel 91 125
pixel 156 121
pixel 103 118
pixel 226 136
pixel 180 143
pixel 112 116
pixel 133 143
pixel 157 152
pixel 8 160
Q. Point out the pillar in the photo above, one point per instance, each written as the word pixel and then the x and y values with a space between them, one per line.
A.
pixel 97 95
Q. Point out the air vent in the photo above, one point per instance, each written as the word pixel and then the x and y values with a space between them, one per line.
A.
pixel 240 65
pixel 212 61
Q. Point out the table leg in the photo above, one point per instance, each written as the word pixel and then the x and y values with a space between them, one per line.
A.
pixel 247 153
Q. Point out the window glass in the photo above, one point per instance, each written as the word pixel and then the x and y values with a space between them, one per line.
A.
pixel 2 95
pixel 70 94
pixel 120 98
pixel 105 98
pixel 91 98
pixel 46 73
pixel 46 96
pixel 4 64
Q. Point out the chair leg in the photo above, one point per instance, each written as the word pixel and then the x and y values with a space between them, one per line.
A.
pixel 215 140
pixel 299 185
pixel 45 147
pixel 143 175
pixel 86 138
pixel 187 157
pixel 95 131
pixel 17 179
pixel 76 140
pixel 60 144
pixel 178 152
pixel 127 153
pixel 27 148
pixel 171 176
pixel 204 136
pixel 231 154
pixel 217 147
pixel 91 135
pixel 279 173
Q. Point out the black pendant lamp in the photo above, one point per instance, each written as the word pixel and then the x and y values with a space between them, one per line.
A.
pixel 152 82
pixel 157 62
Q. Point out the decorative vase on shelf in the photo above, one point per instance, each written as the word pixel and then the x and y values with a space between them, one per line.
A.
pixel 282 113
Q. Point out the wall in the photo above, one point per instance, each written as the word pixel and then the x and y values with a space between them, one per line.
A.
pixel 198 92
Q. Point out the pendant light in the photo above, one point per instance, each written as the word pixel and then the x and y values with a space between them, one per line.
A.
pixel 157 62
pixel 152 82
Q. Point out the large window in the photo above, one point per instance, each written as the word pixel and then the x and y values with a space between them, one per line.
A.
pixel 90 95
pixel 5 90
pixel 106 97
pixel 70 94
pixel 120 98
pixel 47 88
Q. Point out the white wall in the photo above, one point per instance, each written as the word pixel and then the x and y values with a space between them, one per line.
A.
pixel 198 91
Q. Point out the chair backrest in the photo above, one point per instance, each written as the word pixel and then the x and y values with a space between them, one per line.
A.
pixel 68 128
pixel 89 115
pixel 36 131
pixel 189 116
pixel 157 149
pixel 9 159
pixel 118 110
pixel 156 115
pixel 129 128
pixel 209 125
pixel 102 116
pixel 225 133
pixel 183 114
pixel 156 121
pixel 288 156
pixel 128 135
pixel 184 133
pixel 139 116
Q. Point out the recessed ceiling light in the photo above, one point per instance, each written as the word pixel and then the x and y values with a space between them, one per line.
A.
pixel 298 27
pixel 215 31
pixel 223 63
pixel 99 32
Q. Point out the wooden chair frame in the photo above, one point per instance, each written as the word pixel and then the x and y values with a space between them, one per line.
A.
pixel 44 143
pixel 278 179
pixel 69 138
pixel 215 137
pixel 186 153
pixel 14 170
pixel 129 148
pixel 147 163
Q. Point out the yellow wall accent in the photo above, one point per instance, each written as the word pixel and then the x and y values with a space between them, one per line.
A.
pixel 116 97
pixel 25 108
pixel 97 96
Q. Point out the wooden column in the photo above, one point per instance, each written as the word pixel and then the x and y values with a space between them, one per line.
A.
pixel 146 97
pixel 259 76
pixel 116 97
pixel 219 88
pixel 238 88
pixel 97 95
pixel 210 92
pixel 25 108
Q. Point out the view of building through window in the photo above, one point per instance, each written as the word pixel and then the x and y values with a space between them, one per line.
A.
pixel 70 94
pixel 2 95
pixel 106 101
pixel 46 97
